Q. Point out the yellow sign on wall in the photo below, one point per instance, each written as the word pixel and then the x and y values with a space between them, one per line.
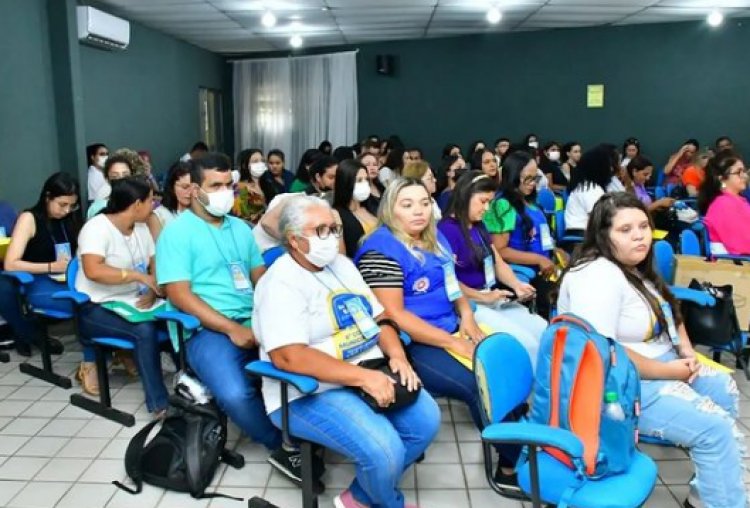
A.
pixel 595 96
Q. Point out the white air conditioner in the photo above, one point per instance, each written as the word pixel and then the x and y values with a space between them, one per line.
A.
pixel 102 30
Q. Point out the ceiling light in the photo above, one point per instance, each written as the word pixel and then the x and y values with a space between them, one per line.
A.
pixel 494 15
pixel 295 41
pixel 715 18
pixel 268 19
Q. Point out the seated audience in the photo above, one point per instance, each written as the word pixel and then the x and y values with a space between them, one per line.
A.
pixel 679 162
pixel 640 170
pixel 351 192
pixel 325 147
pixel 612 284
pixel 589 182
pixel 571 156
pixel 727 212
pixel 198 150
pixel 451 150
pixel 208 263
pixel 319 287
pixel 481 272
pixel 550 165
pixel 116 253
pixel 631 149
pixel 421 171
pixel 477 146
pixel 409 266
pixel 250 201
pixel 501 148
pixel 518 227
pixel 723 143
pixel 277 180
pixel 302 178
pixel 372 164
pixel 44 240
pixel 484 159
pixel 322 175
pixel 452 166
pixel 176 198
pixel 116 167
pixel 394 163
pixel 97 186
pixel 532 141
pixel 695 174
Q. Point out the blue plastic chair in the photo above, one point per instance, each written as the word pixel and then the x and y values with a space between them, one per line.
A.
pixel 700 228
pixel 22 281
pixel 545 198
pixel 543 477
pixel 102 407
pixel 560 230
pixel 271 255
pixel 523 273
pixel 690 245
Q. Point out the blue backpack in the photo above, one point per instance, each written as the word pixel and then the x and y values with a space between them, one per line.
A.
pixel 579 373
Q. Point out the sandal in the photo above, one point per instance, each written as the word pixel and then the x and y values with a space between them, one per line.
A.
pixel 124 359
pixel 87 377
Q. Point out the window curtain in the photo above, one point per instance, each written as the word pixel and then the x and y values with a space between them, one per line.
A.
pixel 295 103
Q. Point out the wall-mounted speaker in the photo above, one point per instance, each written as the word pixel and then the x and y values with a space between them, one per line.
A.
pixel 384 64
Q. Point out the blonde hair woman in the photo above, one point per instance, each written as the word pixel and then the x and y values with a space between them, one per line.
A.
pixel 420 170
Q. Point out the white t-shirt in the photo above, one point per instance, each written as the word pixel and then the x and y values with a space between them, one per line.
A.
pixel 263 239
pixel 615 185
pixel 100 237
pixel 296 306
pixel 165 215
pixel 599 293
pixel 98 187
pixel 580 203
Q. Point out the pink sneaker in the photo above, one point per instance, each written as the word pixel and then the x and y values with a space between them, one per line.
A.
pixel 346 500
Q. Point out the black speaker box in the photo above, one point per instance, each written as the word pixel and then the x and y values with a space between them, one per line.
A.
pixel 384 64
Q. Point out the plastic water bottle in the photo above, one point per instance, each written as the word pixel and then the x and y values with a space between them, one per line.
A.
pixel 613 409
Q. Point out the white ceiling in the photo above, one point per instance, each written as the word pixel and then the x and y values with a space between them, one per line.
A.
pixel 233 26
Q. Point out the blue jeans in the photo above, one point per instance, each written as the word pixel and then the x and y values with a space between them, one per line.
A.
pixel 516 320
pixel 96 321
pixel 39 295
pixel 701 417
pixel 381 445
pixel 220 365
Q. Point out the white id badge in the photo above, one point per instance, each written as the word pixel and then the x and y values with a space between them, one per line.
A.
pixel 671 328
pixel 62 251
pixel 547 242
pixel 239 277
pixel 489 272
pixel 364 321
pixel 452 289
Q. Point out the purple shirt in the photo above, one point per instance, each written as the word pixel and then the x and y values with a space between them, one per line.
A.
pixel 642 195
pixel 468 271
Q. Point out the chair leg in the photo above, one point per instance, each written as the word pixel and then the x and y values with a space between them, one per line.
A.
pixel 309 497
pixel 45 373
pixel 102 407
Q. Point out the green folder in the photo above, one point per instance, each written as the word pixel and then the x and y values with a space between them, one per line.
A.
pixel 132 313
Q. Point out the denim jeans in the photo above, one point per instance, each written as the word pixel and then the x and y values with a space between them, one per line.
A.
pixel 220 365
pixel 39 295
pixel 96 321
pixel 700 417
pixel 516 320
pixel 381 445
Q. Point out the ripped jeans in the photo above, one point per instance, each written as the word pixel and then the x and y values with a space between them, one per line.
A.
pixel 700 417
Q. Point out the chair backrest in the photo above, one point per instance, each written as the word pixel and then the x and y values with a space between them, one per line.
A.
pixel 689 243
pixel 271 255
pixel 502 389
pixel 660 177
pixel 545 198
pixel 660 192
pixel 71 273
pixel 664 260
pixel 560 224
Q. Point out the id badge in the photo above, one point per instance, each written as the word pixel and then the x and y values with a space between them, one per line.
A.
pixel 489 272
pixel 452 288
pixel 671 328
pixel 546 237
pixel 62 250
pixel 239 277
pixel 364 321
pixel 142 268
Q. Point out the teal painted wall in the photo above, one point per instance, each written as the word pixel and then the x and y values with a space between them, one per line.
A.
pixel 147 96
pixel 28 132
pixel 663 84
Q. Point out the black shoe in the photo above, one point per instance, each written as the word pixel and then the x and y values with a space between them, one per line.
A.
pixel 289 463
pixel 7 343
pixel 54 346
pixel 508 484
pixel 23 348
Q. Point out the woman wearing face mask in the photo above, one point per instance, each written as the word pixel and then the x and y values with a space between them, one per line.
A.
pixel 116 253
pixel 302 180
pixel 571 156
pixel 277 180
pixel 97 154
pixel 550 165
pixel 452 166
pixel 338 324
pixel 421 171
pixel 352 190
pixel 43 241
pixel 486 161
pixel 176 198
pixel 372 164
pixel 481 272
pixel 250 202
pixel 322 176
pixel 409 265
pixel 531 141
pixel 116 167
pixel 611 283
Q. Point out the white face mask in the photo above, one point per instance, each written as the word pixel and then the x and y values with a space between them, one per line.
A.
pixel 322 252
pixel 534 144
pixel 361 191
pixel 219 202
pixel 257 169
pixel 553 155
pixel 235 176
pixel 101 160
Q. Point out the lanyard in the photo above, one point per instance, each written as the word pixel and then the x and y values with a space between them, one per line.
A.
pixel 48 225
pixel 485 248
pixel 218 246
pixel 335 276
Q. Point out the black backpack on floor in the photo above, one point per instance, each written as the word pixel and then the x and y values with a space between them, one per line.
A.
pixel 184 454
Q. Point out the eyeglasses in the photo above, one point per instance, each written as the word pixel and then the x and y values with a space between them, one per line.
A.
pixel 738 172
pixel 531 179
pixel 325 230
pixel 70 207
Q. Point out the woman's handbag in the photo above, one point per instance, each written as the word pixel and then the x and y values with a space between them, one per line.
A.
pixel 715 325
pixel 403 396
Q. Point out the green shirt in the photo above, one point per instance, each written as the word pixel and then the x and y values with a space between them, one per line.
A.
pixel 500 217
pixel 298 186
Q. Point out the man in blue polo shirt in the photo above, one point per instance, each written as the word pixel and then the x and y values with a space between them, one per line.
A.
pixel 209 264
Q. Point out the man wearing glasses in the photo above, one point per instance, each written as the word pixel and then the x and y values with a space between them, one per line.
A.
pixel 209 264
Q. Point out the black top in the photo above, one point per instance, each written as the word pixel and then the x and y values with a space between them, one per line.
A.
pixel 372 203
pixel 353 231
pixel 271 187
pixel 41 246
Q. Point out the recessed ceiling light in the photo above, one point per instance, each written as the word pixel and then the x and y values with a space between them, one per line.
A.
pixel 295 41
pixel 494 15
pixel 715 18
pixel 324 8
pixel 268 20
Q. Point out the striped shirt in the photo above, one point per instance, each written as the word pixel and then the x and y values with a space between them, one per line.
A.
pixel 380 271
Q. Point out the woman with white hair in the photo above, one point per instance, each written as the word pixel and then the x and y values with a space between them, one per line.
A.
pixel 369 405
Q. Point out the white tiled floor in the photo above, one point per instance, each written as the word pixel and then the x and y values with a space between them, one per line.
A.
pixel 53 454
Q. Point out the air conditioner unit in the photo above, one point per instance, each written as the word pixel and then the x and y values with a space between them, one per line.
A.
pixel 97 28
